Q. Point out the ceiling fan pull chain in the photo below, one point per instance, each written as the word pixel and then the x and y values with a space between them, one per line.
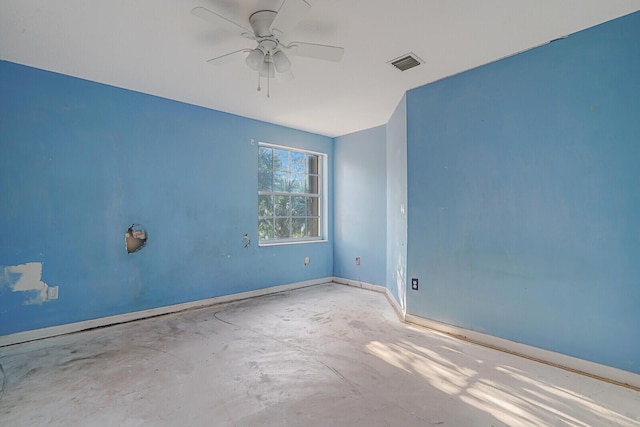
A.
pixel 268 60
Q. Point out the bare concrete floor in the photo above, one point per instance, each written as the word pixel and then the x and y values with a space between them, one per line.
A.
pixel 328 355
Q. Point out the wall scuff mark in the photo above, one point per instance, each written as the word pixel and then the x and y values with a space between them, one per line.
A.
pixel 135 238
pixel 28 278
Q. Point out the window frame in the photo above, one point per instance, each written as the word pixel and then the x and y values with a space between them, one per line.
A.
pixel 321 195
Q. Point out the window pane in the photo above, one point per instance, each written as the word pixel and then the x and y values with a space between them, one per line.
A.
pixel 282 205
pixel 297 183
pixel 282 228
pixel 265 229
pixel 299 206
pixel 297 162
pixel 265 158
pixel 289 192
pixel 314 206
pixel 313 184
pixel 280 160
pixel 265 206
pixel 313 227
pixel 281 182
pixel 312 162
pixel 298 228
pixel 265 179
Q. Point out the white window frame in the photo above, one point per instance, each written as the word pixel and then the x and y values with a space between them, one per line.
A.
pixel 321 195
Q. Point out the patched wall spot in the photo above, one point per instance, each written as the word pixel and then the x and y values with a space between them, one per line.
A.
pixel 28 278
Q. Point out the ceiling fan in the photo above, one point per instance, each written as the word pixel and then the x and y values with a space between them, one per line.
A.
pixel 268 27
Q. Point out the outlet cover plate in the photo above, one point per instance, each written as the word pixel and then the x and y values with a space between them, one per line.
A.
pixel 52 292
pixel 414 284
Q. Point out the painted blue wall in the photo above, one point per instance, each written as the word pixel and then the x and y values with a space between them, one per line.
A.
pixel 81 161
pixel 524 196
pixel 360 200
pixel 397 202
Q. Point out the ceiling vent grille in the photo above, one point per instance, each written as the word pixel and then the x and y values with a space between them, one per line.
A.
pixel 406 62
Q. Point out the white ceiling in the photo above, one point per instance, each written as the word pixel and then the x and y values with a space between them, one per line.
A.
pixel 158 47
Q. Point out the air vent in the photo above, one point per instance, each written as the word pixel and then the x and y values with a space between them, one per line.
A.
pixel 406 62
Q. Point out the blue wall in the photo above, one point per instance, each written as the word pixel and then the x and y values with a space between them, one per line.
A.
pixel 524 196
pixel 81 161
pixel 397 203
pixel 360 200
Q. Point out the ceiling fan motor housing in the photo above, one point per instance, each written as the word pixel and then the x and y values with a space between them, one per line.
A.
pixel 261 22
pixel 267 44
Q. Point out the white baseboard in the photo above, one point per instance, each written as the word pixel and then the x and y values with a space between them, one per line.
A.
pixel 359 284
pixel 592 369
pixel 396 305
pixel 68 328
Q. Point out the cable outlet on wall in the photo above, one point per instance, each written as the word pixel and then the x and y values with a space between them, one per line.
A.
pixel 414 284
pixel 357 260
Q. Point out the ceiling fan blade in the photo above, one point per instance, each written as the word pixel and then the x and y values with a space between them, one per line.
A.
pixel 290 13
pixel 229 57
pixel 318 51
pixel 220 21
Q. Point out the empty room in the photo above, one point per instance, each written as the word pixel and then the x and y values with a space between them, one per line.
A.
pixel 320 213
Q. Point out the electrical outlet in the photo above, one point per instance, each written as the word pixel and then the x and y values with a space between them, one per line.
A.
pixel 357 260
pixel 52 292
pixel 414 284
pixel 307 260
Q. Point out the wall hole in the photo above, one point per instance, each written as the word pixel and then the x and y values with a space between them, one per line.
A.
pixel 135 238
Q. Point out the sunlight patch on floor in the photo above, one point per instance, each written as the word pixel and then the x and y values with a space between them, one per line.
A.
pixel 509 394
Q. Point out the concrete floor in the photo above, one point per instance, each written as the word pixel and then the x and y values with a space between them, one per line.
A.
pixel 328 355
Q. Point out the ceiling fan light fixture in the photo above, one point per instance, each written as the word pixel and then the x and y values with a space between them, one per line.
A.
pixel 267 70
pixel 255 59
pixel 281 61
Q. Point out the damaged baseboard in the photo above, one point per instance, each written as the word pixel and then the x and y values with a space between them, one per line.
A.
pixel 68 328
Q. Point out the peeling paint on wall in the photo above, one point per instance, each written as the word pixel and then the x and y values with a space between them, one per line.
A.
pixel 28 278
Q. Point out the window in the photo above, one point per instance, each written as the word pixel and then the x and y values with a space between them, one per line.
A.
pixel 289 195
